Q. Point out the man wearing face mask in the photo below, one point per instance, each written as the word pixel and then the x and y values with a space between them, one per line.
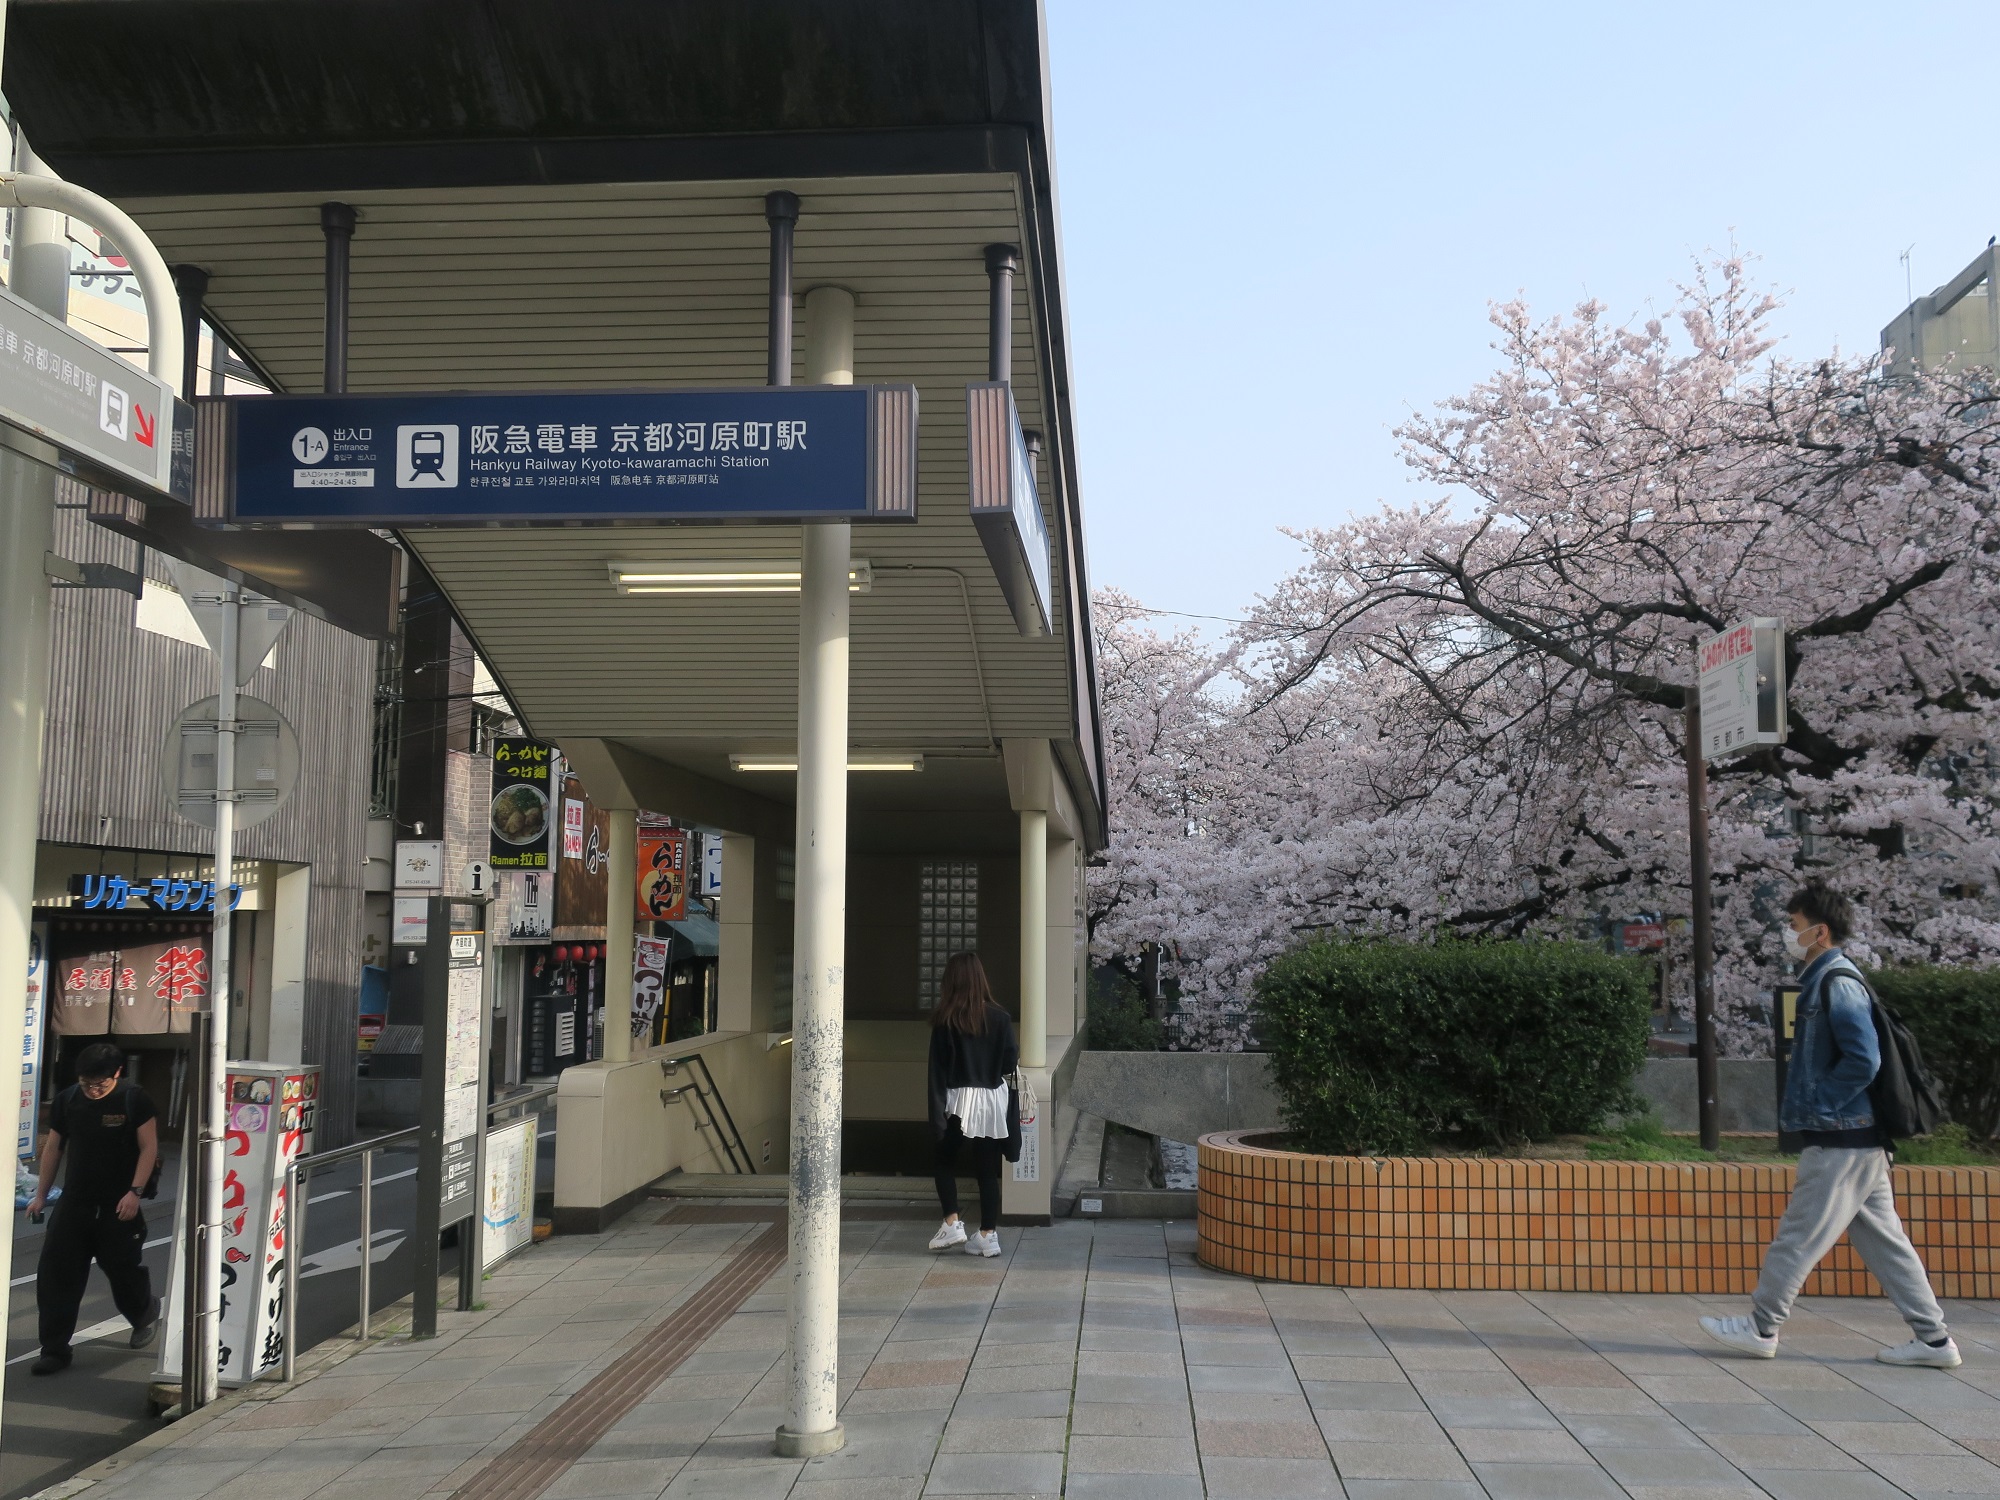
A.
pixel 1842 1184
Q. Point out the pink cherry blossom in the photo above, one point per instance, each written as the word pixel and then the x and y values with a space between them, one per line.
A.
pixel 1466 715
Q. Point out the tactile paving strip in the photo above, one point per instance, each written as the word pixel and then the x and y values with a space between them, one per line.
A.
pixel 534 1463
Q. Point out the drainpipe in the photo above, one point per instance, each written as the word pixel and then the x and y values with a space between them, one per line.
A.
pixel 336 222
pixel 1002 261
pixel 191 284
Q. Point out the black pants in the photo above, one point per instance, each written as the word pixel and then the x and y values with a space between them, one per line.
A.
pixel 985 1166
pixel 79 1233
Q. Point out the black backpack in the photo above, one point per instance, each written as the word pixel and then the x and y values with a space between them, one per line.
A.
pixel 152 1187
pixel 1905 1094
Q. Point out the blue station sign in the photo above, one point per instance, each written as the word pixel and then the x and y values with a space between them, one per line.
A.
pixel 1007 505
pixel 471 458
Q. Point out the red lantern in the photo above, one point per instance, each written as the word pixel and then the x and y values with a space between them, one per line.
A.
pixel 562 953
pixel 596 951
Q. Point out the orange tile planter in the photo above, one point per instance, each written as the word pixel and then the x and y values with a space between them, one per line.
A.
pixel 1446 1223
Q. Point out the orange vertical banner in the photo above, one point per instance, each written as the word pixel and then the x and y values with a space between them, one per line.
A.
pixel 661 891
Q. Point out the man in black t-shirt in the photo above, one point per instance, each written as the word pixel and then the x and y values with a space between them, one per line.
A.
pixel 113 1138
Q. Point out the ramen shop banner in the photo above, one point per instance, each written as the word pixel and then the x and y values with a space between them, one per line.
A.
pixel 663 871
pixel 526 780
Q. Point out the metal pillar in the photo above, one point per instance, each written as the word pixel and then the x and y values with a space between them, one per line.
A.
pixel 623 856
pixel 214 1125
pixel 819 941
pixel 27 534
pixel 1701 901
pixel 1034 938
pixel 336 222
pixel 429 1226
pixel 192 1222
pixel 1002 261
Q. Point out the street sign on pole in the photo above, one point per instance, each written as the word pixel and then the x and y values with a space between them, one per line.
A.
pixel 1742 676
pixel 260 621
pixel 1738 704
pixel 267 761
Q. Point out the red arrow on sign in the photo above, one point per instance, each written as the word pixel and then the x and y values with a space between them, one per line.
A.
pixel 147 425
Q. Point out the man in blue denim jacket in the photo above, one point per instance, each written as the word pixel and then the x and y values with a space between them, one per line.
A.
pixel 1842 1184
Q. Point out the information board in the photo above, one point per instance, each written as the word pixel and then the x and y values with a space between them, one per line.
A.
pixel 464 1041
pixel 458 458
pixel 510 1190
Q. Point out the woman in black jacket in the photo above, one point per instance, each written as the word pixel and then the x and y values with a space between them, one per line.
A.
pixel 973 1051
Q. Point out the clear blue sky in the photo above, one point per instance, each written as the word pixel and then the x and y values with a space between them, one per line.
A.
pixel 1283 222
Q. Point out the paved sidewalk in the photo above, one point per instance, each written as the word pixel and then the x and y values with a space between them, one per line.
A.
pixel 1092 1359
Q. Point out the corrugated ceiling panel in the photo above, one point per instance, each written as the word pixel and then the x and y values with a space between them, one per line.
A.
pixel 642 284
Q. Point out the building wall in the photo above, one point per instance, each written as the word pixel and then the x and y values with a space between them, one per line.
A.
pixel 114 692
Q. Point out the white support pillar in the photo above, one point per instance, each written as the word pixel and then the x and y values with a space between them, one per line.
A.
pixel 27 534
pixel 40 276
pixel 1034 938
pixel 819 941
pixel 623 856
pixel 819 996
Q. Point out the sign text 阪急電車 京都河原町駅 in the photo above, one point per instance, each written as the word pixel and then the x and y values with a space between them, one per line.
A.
pixel 769 453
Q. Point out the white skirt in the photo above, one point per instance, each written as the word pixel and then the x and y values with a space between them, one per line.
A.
pixel 982 1113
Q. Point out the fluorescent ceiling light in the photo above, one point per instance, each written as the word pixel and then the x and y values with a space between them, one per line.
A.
pixel 857 760
pixel 724 577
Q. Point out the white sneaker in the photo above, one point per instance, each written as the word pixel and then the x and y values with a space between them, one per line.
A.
pixel 1917 1352
pixel 951 1232
pixel 985 1242
pixel 1741 1335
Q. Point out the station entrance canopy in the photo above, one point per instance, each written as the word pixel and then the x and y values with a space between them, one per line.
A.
pixel 571 198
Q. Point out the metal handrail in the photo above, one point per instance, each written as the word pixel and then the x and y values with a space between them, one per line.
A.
pixel 525 1097
pixel 296 1171
pixel 307 1161
pixel 712 1100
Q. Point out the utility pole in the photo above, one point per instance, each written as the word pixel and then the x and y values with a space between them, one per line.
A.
pixel 1701 898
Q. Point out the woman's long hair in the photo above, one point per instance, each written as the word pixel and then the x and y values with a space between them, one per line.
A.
pixel 963 995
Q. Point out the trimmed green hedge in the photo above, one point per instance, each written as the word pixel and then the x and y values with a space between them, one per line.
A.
pixel 1392 1048
pixel 1117 1019
pixel 1955 1015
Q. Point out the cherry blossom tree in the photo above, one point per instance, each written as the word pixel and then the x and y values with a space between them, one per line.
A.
pixel 1468 714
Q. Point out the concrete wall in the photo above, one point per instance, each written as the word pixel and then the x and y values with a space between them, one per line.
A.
pixel 1180 1095
pixel 1185 1095
pixel 616 1135
pixel 1746 1090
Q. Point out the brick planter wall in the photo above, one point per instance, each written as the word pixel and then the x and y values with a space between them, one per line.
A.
pixel 1464 1223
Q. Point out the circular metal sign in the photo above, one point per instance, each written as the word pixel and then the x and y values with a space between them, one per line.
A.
pixel 267 761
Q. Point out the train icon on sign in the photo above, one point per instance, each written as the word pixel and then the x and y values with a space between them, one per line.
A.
pixel 427 456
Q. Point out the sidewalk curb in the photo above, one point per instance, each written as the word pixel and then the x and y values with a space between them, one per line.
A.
pixel 394 1325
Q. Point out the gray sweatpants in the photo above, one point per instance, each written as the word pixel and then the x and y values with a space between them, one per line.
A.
pixel 1845 1189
